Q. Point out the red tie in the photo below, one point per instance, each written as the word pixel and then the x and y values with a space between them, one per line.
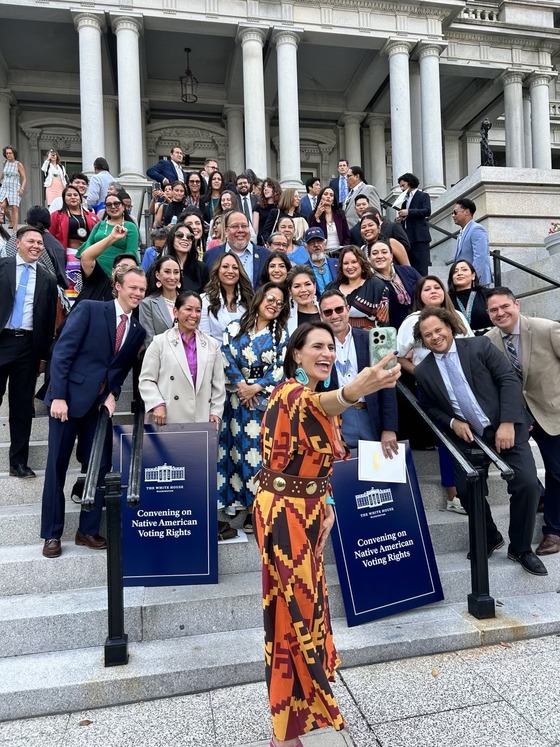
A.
pixel 121 328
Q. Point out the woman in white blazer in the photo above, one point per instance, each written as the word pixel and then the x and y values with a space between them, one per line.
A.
pixel 228 295
pixel 157 310
pixel 182 378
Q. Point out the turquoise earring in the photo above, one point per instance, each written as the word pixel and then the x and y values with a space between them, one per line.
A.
pixel 301 376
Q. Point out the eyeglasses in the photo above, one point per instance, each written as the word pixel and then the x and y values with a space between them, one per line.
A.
pixel 239 226
pixel 113 204
pixel 187 236
pixel 337 310
pixel 273 300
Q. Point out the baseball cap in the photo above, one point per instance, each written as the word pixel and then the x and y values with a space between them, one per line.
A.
pixel 313 233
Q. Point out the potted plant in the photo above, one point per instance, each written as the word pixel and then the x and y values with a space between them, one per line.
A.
pixel 552 241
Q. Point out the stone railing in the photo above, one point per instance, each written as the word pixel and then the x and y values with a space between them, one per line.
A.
pixel 554 109
pixel 480 12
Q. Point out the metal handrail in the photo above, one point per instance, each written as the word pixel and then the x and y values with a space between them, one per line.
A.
pixel 136 451
pixel 504 469
pixel 90 485
pixel 497 256
pixel 444 231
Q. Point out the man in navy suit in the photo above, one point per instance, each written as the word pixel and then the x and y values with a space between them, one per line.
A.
pixel 375 417
pixel 168 171
pixel 27 318
pixel 472 242
pixel 238 240
pixel 308 202
pixel 339 184
pixel 414 214
pixel 91 359
pixel 469 387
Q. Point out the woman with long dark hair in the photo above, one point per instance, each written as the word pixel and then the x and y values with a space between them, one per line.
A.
pixel 331 220
pixel 366 295
pixel 288 206
pixel 226 297
pixel 254 351
pixel 268 200
pixel 195 190
pixel 156 311
pixel 293 516
pixel 399 280
pixel 302 284
pixel 169 212
pixel 180 244
pixel 55 176
pixel 276 267
pixel 468 296
pixel 211 198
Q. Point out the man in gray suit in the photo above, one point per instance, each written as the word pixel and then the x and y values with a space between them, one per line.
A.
pixel 357 186
pixel 532 346
pixel 468 387
pixel 472 242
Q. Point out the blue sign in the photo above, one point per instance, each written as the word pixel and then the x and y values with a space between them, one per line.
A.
pixel 382 544
pixel 172 536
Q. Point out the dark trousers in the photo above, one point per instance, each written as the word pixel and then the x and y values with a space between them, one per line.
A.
pixel 523 490
pixel 62 437
pixel 549 446
pixel 17 364
pixel 419 256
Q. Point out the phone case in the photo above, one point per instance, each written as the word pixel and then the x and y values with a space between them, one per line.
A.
pixel 382 340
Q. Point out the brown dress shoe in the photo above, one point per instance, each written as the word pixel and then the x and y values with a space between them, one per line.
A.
pixel 93 541
pixel 550 544
pixel 52 548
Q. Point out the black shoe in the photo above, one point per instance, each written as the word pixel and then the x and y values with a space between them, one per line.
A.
pixel 498 542
pixel 78 490
pixel 529 562
pixel 248 524
pixel 21 470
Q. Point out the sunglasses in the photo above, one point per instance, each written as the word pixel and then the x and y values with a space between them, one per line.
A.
pixel 272 300
pixel 112 204
pixel 187 236
pixel 194 181
pixel 337 310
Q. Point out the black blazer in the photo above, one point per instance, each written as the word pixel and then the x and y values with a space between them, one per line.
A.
pixel 260 255
pixel 44 305
pixel 491 378
pixel 381 405
pixel 419 211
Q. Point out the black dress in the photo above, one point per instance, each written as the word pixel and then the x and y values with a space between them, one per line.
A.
pixel 472 303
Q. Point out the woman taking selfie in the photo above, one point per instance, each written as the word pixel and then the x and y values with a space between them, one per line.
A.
pixel 293 517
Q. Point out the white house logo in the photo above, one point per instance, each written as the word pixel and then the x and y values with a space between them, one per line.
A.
pixel 374 497
pixel 164 473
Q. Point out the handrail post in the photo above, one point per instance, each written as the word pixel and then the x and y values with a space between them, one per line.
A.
pixel 497 267
pixel 116 644
pixel 480 604
pixel 90 485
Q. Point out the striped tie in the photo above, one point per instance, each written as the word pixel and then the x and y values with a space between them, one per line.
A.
pixel 462 395
pixel 512 353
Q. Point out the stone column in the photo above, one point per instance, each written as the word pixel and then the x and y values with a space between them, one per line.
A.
pixel 252 41
pixel 378 164
pixel 452 157
pixel 353 148
pixel 127 30
pixel 34 191
pixel 416 121
pixel 527 131
pixel 432 146
pixel 513 100
pixel 401 144
pixel 471 141
pixel 236 155
pixel 111 133
pixel 270 155
pixel 90 26
pixel 286 41
pixel 5 102
pixel 540 118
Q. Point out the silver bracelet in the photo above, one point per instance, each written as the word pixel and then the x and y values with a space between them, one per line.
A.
pixel 342 399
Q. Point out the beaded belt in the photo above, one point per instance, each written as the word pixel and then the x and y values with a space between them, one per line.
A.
pixel 299 487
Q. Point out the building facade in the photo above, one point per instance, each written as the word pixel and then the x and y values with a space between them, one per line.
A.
pixel 285 88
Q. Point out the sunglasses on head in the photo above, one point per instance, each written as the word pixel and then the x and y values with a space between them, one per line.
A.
pixel 187 236
pixel 337 310
pixel 273 300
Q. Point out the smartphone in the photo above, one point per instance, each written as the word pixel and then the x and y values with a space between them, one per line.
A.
pixel 382 340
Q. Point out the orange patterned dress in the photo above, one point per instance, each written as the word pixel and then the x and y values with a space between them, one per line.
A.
pixel 298 438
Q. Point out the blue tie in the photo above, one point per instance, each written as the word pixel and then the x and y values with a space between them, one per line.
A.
pixel 462 395
pixel 343 189
pixel 17 312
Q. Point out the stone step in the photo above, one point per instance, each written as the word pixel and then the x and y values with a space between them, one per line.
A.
pixel 16 492
pixel 19 524
pixel 38 621
pixel 40 425
pixel 37 456
pixel 76 679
